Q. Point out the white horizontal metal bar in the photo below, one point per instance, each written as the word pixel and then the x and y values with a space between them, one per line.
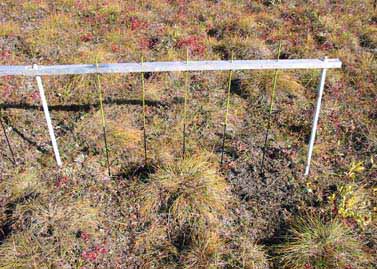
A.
pixel 27 70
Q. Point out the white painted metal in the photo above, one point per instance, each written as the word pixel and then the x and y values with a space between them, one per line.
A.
pixel 169 67
pixel 48 118
pixel 315 119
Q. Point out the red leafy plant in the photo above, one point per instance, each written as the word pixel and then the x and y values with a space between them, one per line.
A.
pixel 194 43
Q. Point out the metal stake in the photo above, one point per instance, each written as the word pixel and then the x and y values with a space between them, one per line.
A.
pixel 99 86
pixel 274 83
pixel 144 113
pixel 48 118
pixel 226 112
pixel 187 88
pixel 315 119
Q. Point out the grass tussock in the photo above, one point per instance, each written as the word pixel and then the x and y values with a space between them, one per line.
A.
pixel 242 47
pixel 66 217
pixel 50 227
pixel 124 140
pixel 191 198
pixel 155 248
pixel 9 29
pixel 205 252
pixel 244 253
pixel 53 36
pixel 316 244
pixel 191 191
pixel 369 38
pixel 23 250
pixel 22 184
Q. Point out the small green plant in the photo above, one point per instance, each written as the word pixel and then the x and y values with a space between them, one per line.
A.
pixel 352 201
pixel 316 244
pixel 354 169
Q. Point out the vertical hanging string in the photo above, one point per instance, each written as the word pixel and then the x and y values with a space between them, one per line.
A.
pixel 144 112
pixel 99 86
pixel 185 107
pixel 7 139
pixel 270 112
pixel 226 112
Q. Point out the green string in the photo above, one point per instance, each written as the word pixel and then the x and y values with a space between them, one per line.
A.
pixel 144 112
pixel 103 119
pixel 226 112
pixel 274 83
pixel 185 107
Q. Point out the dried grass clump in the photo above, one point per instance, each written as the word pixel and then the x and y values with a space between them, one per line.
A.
pixel 55 37
pixel 232 25
pixel 65 4
pixel 205 252
pixel 49 237
pixel 368 39
pixel 192 199
pixel 245 48
pixel 100 55
pixel 166 142
pixel 111 11
pixel 247 255
pixel 33 6
pixel 82 88
pixel 190 191
pixel 314 243
pixel 65 217
pixel 247 25
pixel 24 250
pixel 9 28
pixel 124 141
pixel 92 56
pixel 22 184
pixel 289 85
pixel 154 247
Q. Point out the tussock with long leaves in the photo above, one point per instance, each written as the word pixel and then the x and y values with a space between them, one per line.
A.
pixel 246 254
pixel 316 244
pixel 191 191
pixel 193 201
pixel 206 251
pixel 48 228
pixel 41 229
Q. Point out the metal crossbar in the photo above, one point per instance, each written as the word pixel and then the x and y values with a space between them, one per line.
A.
pixel 51 70
pixel 78 69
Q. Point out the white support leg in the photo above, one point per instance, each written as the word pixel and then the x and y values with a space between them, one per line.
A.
pixel 48 119
pixel 315 119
